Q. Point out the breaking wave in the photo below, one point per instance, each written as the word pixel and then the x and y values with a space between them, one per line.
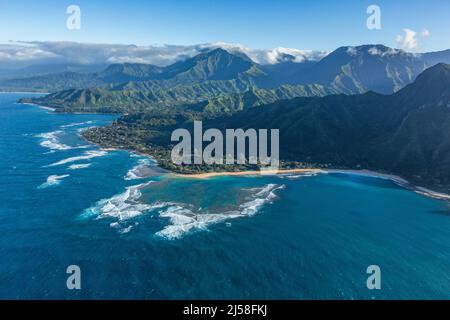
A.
pixel 136 172
pixel 79 166
pixel 76 124
pixel 53 181
pixel 183 219
pixel 123 206
pixel 50 140
pixel 86 156
pixel 301 175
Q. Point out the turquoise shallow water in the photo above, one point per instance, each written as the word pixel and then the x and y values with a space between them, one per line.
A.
pixel 64 202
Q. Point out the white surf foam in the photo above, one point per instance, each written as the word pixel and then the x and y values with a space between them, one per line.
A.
pixel 47 108
pixel 79 166
pixel 126 229
pixel 53 180
pixel 50 140
pixel 36 105
pixel 184 220
pixel 123 206
pixel 77 124
pixel 301 175
pixel 135 172
pixel 86 156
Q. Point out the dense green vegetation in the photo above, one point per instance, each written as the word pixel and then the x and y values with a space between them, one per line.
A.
pixel 406 133
pixel 211 96
pixel 328 112
pixel 218 73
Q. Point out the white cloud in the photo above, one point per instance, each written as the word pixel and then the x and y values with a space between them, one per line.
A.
pixel 409 40
pixel 271 56
pixel 352 51
pixel 425 33
pixel 376 51
pixel 21 53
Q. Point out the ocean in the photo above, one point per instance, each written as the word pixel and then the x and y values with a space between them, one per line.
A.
pixel 65 202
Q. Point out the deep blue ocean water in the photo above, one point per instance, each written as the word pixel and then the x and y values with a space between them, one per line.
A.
pixel 64 202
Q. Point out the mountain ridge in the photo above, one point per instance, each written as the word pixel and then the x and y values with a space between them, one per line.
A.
pixel 217 73
pixel 396 133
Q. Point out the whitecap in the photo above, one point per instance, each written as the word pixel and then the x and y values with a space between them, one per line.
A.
pixel 127 229
pixel 53 180
pixel 76 124
pixel 81 130
pixel 135 172
pixel 86 156
pixel 122 206
pixel 301 175
pixel 50 140
pixel 79 166
pixel 183 220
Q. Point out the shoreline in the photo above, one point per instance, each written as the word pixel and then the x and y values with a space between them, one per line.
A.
pixel 206 175
pixel 37 105
pixel 397 180
pixel 54 109
pixel 401 182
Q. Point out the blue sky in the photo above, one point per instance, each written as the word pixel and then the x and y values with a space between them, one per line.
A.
pixel 302 24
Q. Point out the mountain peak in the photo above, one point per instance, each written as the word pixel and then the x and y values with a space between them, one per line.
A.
pixel 122 72
pixel 371 49
pixel 215 64
pixel 441 70
pixel 431 85
pixel 225 53
pixel 436 77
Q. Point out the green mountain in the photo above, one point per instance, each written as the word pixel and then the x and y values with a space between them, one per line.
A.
pixel 135 87
pixel 218 80
pixel 44 69
pixel 119 73
pixel 113 74
pixel 212 96
pixel 222 81
pixel 217 64
pixel 365 68
pixel 213 65
pixel 52 82
pixel 348 70
pixel 406 133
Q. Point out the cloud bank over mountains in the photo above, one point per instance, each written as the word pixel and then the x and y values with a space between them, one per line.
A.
pixel 15 55
pixel 20 54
